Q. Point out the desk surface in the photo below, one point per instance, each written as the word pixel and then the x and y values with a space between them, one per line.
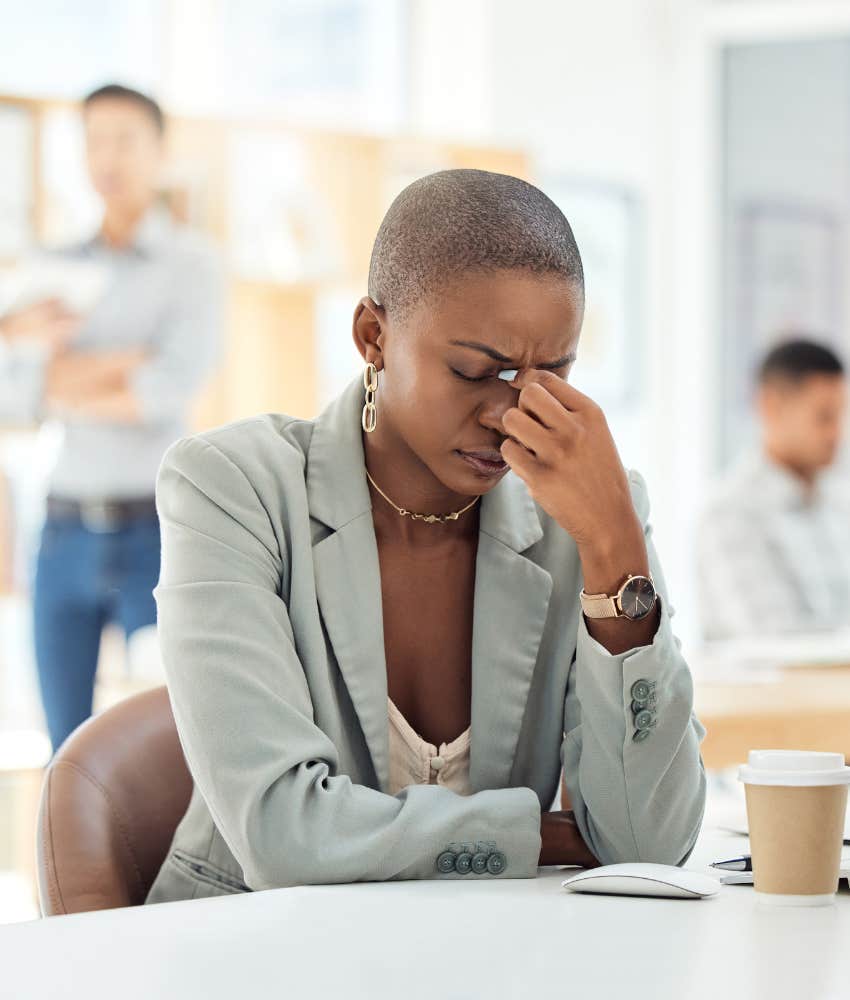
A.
pixel 447 939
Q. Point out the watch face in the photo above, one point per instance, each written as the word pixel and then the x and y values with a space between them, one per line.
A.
pixel 637 598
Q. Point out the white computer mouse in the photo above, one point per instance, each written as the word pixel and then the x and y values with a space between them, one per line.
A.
pixel 644 880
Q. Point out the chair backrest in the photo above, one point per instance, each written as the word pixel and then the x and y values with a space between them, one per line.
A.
pixel 111 800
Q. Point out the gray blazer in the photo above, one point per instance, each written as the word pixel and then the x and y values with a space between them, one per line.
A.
pixel 270 623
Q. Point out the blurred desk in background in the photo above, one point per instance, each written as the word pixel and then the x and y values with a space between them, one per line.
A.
pixel 789 709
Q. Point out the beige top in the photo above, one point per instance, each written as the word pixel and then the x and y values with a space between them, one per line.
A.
pixel 415 762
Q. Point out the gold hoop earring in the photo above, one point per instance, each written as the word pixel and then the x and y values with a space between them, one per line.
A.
pixel 370 383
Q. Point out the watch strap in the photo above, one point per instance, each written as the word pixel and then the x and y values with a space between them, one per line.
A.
pixel 599 605
pixel 611 605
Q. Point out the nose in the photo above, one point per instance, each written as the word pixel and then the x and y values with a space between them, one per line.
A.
pixel 496 406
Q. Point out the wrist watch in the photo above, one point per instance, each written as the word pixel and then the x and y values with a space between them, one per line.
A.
pixel 634 600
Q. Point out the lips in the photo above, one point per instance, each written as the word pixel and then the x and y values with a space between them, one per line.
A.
pixel 486 455
pixel 487 461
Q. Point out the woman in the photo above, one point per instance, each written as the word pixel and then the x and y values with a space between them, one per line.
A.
pixel 372 622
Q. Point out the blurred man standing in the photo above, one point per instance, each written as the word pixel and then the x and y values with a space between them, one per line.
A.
pixel 774 541
pixel 120 382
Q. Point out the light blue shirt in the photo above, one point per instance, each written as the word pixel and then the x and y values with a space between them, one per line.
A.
pixel 164 295
pixel 772 557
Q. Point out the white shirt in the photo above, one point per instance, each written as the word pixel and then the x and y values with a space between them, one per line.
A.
pixel 773 557
pixel 414 761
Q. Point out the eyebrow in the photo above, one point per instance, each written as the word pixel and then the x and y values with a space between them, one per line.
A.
pixel 496 356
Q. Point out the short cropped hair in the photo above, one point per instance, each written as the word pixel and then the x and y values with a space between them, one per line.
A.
pixel 453 222
pixel 115 91
pixel 794 360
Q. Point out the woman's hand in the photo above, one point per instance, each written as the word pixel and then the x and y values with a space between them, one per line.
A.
pixel 559 444
pixel 562 844
pixel 561 447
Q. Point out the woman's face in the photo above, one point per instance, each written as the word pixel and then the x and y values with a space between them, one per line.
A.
pixel 439 394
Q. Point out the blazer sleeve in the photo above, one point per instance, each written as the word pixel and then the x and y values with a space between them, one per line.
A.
pixel 268 774
pixel 634 800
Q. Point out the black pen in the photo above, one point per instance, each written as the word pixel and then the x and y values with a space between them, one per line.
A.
pixel 742 864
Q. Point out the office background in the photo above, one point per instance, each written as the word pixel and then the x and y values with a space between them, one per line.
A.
pixel 699 147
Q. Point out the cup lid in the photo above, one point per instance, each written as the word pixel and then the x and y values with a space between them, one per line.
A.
pixel 794 767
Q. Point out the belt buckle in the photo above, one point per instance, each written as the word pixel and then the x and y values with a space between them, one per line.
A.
pixel 95 516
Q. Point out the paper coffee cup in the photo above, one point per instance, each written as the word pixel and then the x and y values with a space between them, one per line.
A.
pixel 796 804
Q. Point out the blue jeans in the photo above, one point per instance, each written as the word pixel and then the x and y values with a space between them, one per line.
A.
pixel 85 579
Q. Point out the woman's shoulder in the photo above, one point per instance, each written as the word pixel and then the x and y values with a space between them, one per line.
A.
pixel 262 448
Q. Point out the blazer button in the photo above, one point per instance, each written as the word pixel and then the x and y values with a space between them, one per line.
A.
pixel 641 690
pixel 479 863
pixel 446 862
pixel 496 863
pixel 644 720
pixel 638 706
pixel 641 734
pixel 437 763
pixel 463 863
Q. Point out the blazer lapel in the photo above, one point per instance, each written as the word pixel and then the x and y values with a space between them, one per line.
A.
pixel 511 597
pixel 511 604
pixel 348 586
pixel 347 569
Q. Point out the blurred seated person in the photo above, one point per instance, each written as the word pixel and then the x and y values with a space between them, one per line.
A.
pixel 120 382
pixel 774 539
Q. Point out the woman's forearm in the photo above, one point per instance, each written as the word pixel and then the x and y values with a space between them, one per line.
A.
pixel 562 842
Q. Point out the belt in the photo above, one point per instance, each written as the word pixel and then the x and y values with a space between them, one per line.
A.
pixel 101 515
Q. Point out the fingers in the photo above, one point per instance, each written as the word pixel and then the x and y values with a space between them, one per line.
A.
pixel 537 401
pixel 539 421
pixel 518 458
pixel 566 394
pixel 544 421
pixel 525 430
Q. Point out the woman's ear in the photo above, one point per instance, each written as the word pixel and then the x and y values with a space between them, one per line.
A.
pixel 368 331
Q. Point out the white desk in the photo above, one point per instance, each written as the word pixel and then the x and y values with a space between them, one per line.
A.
pixel 441 940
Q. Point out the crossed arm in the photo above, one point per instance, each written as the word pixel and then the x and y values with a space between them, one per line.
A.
pixel 60 380
pixel 94 384
pixel 44 373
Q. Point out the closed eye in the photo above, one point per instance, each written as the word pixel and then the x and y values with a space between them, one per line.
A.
pixel 482 378
pixel 467 378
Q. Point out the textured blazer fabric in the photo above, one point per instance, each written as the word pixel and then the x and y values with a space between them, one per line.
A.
pixel 270 623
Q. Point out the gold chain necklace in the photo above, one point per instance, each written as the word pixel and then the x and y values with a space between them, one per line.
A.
pixel 428 518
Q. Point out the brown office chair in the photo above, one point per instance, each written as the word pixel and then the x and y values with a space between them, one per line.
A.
pixel 111 800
